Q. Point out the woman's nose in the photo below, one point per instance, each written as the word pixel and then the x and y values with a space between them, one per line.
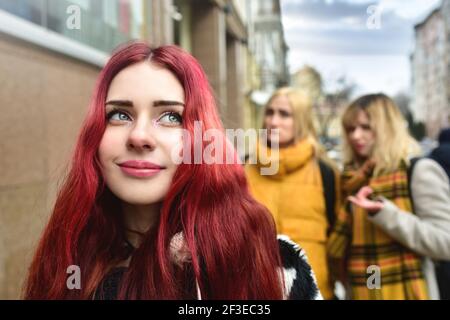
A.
pixel 356 134
pixel 274 121
pixel 141 136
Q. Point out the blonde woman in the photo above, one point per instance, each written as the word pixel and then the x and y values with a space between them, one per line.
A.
pixel 301 195
pixel 381 243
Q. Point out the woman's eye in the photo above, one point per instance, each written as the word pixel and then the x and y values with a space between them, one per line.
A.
pixel 118 116
pixel 285 114
pixel 350 129
pixel 171 119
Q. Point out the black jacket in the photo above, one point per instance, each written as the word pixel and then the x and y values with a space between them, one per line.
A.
pixel 299 280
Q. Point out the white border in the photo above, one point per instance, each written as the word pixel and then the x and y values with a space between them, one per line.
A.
pixel 28 31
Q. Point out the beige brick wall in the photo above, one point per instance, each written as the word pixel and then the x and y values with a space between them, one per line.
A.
pixel 43 99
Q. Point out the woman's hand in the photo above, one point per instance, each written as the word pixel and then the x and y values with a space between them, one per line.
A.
pixel 362 200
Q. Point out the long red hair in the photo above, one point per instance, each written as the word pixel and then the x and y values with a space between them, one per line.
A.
pixel 231 237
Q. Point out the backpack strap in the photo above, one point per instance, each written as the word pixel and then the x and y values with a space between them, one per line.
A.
pixel 409 172
pixel 329 191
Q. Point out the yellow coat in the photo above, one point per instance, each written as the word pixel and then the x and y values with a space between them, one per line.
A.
pixel 294 196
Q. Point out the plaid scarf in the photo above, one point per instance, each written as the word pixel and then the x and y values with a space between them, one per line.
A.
pixel 359 243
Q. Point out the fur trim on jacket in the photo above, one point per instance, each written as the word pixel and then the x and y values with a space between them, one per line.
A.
pixel 299 279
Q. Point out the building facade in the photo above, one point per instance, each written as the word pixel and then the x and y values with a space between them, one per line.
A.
pixel 51 52
pixel 214 32
pixel 309 81
pixel 431 71
pixel 269 51
pixel 49 62
pixel 242 49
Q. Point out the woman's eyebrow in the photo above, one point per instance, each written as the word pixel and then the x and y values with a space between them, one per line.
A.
pixel 157 103
pixel 120 103
pixel 163 103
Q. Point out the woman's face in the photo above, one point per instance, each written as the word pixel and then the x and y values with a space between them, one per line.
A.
pixel 144 108
pixel 279 115
pixel 361 136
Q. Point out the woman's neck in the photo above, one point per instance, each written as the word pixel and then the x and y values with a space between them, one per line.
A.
pixel 360 161
pixel 138 220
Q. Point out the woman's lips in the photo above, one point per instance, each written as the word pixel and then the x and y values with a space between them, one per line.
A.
pixel 141 173
pixel 140 169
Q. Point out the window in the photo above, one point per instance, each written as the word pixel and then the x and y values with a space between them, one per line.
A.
pixel 103 23
pixel 30 10
pixel 266 7
pixel 181 17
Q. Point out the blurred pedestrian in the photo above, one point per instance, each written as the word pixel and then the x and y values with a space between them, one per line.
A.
pixel 441 155
pixel 377 225
pixel 302 194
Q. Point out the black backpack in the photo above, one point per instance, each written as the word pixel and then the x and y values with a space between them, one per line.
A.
pixel 442 267
pixel 329 191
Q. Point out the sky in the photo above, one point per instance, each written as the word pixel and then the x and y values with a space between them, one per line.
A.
pixel 368 42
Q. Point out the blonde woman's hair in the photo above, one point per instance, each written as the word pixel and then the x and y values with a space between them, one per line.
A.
pixel 393 143
pixel 302 111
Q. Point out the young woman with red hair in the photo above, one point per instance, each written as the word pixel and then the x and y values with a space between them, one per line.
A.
pixel 138 224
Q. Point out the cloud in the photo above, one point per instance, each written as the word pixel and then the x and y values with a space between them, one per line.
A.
pixel 415 10
pixel 337 9
pixel 387 40
pixel 325 10
pixel 340 27
pixel 333 36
